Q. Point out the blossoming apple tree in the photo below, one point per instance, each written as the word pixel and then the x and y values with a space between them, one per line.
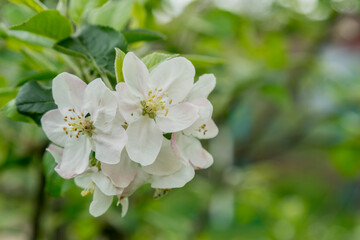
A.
pixel 115 121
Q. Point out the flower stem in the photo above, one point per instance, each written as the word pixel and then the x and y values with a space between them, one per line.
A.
pixel 103 75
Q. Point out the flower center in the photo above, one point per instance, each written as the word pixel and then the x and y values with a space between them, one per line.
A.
pixel 203 129
pixel 88 191
pixel 156 103
pixel 77 124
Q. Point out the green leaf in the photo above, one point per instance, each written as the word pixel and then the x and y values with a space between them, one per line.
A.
pixel 204 61
pixel 115 14
pixel 79 9
pixel 31 38
pixel 41 76
pixel 34 100
pixel 54 184
pixel 10 111
pixel 119 59
pixel 33 4
pixel 49 24
pixel 6 94
pixel 96 44
pixel 137 35
pixel 155 58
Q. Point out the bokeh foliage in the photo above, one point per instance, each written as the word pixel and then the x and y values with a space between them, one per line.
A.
pixel 287 158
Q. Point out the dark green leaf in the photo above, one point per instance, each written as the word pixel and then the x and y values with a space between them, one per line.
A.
pixel 48 23
pixel 137 35
pixel 96 44
pixel 55 185
pixel 42 76
pixel 34 100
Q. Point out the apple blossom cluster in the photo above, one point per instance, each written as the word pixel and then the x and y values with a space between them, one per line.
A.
pixel 147 131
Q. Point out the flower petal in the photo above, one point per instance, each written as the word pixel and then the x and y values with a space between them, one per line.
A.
pixel 140 179
pixel 68 91
pixel 100 203
pixel 190 149
pixel 203 87
pixel 176 180
pixel 179 117
pixel 104 184
pixel 52 123
pixel 136 74
pixel 123 173
pixel 205 112
pixel 101 104
pixel 108 146
pixel 145 139
pixel 124 206
pixel 166 163
pixel 75 158
pixel 129 105
pixel 210 131
pixel 84 180
pixel 175 76
pixel 56 152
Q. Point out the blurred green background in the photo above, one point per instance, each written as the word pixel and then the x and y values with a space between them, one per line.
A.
pixel 287 103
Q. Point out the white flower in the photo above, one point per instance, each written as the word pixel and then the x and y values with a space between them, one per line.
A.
pixel 120 180
pixel 167 171
pixel 185 144
pixel 126 175
pixel 152 104
pixel 102 188
pixel 83 122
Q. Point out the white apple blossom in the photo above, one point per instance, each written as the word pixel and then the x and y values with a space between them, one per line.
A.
pixel 85 121
pixel 168 171
pixel 120 180
pixel 90 119
pixel 185 144
pixel 152 103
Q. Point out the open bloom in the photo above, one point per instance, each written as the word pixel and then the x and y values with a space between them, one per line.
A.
pixel 168 171
pixel 85 121
pixel 105 181
pixel 185 144
pixel 103 190
pixel 153 104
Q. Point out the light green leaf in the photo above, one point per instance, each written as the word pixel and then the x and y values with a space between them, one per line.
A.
pixel 79 9
pixel 119 59
pixel 115 14
pixel 33 4
pixel 6 94
pixel 34 100
pixel 153 59
pixel 49 24
pixel 96 44
pixel 10 111
pixel 137 35
pixel 31 38
pixel 204 61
